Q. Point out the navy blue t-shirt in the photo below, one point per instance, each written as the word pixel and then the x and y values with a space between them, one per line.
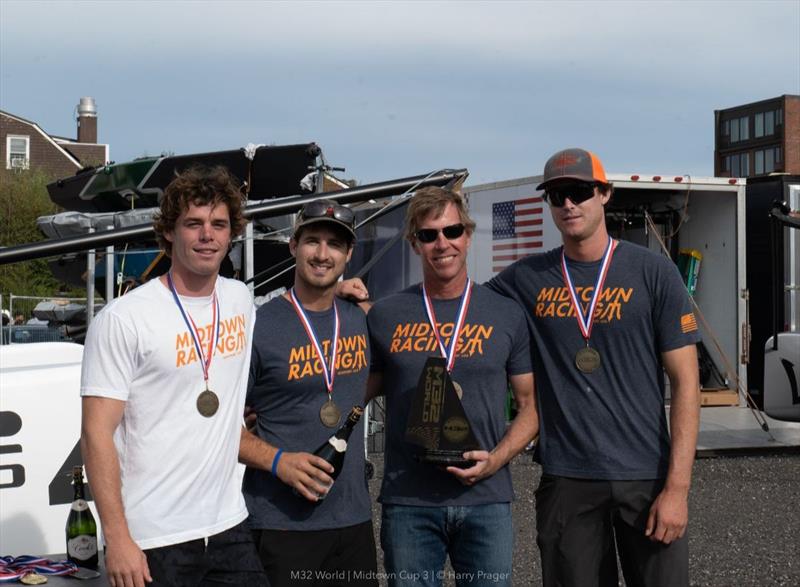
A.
pixel 494 344
pixel 611 423
pixel 287 390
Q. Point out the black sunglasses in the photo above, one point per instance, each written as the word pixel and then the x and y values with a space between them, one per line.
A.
pixel 577 193
pixel 328 209
pixel 428 235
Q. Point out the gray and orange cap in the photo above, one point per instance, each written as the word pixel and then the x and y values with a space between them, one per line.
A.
pixel 576 164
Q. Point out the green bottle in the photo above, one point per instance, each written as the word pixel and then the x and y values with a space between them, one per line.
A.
pixel 81 527
pixel 333 449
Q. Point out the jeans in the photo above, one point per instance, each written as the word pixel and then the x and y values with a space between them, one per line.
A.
pixel 479 540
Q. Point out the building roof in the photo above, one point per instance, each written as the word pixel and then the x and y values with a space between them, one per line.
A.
pixel 757 102
pixel 49 138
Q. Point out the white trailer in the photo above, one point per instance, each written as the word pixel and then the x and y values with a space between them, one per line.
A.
pixel 705 214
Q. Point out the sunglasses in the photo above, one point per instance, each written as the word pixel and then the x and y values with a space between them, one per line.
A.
pixel 328 210
pixel 428 235
pixel 577 193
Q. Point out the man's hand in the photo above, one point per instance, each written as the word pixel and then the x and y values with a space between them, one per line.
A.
pixel 668 517
pixel 352 289
pixel 307 474
pixel 483 467
pixel 126 564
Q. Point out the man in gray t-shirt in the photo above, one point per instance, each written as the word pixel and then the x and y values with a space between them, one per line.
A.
pixel 309 368
pixel 430 513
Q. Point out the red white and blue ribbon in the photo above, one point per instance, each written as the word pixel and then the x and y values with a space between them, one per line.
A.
pixel 449 353
pixel 205 359
pixel 586 321
pixel 12 569
pixel 328 370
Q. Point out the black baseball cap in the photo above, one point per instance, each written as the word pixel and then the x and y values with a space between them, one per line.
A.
pixel 326 211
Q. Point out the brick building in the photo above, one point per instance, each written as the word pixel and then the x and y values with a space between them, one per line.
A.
pixel 24 145
pixel 758 139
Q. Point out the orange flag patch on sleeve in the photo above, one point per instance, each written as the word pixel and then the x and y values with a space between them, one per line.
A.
pixel 688 323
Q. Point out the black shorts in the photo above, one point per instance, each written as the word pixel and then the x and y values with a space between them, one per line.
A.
pixel 342 556
pixel 228 558
pixel 583 524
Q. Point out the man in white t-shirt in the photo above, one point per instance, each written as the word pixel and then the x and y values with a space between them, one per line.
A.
pixel 163 383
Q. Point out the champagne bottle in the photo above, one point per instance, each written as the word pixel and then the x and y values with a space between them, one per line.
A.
pixel 333 450
pixel 81 528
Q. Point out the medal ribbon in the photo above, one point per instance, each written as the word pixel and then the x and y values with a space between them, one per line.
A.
pixel 328 371
pixel 12 569
pixel 205 360
pixel 585 322
pixel 449 354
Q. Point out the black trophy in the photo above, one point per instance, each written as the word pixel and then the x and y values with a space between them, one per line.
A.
pixel 437 425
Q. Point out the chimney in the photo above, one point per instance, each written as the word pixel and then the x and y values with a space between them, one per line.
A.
pixel 87 121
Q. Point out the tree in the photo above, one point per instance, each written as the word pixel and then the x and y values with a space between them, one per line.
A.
pixel 23 198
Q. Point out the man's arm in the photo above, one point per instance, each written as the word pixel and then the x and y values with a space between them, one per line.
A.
pixel 125 562
pixel 669 514
pixel 523 429
pixel 305 473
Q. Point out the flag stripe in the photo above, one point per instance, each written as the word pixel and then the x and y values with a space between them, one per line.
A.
pixel 512 257
pixel 518 245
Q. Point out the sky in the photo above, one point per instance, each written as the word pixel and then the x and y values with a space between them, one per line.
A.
pixel 394 89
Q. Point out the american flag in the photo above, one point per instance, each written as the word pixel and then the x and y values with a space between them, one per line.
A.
pixel 516 230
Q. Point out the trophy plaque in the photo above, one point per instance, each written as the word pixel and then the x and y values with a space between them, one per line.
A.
pixel 437 425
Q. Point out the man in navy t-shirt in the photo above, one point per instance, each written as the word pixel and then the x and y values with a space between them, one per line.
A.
pixel 430 512
pixel 309 368
pixel 606 318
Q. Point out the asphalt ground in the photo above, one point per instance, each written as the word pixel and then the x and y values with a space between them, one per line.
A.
pixel 744 521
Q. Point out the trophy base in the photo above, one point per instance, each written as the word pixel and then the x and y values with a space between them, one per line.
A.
pixel 445 458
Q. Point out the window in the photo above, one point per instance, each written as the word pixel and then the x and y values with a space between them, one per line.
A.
pixel 769 122
pixel 739 128
pixel 738 165
pixel 17 151
pixel 769 160
pixel 759 130
pixel 759 162
pixel 766 159
pixel 744 128
pixel 779 117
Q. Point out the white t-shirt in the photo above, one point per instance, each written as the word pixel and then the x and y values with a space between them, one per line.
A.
pixel 178 469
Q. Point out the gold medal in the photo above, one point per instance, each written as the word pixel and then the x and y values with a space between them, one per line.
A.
pixel 33 579
pixel 459 391
pixel 329 414
pixel 587 359
pixel 207 403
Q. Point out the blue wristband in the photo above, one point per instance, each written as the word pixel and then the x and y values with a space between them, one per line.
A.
pixel 275 462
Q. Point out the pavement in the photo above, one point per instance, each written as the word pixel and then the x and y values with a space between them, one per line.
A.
pixel 744 520
pixel 732 430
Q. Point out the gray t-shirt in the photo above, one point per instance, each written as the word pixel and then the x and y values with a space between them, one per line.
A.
pixel 494 344
pixel 611 423
pixel 287 391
